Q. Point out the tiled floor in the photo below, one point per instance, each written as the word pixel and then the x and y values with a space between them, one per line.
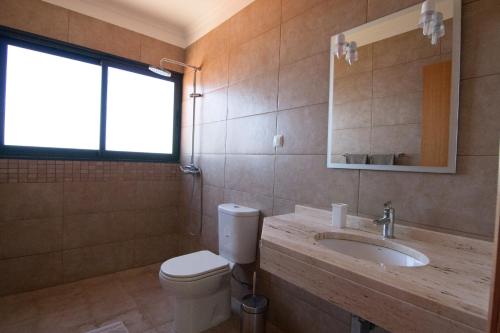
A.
pixel 134 297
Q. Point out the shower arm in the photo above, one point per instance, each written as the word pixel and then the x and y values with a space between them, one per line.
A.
pixel 178 63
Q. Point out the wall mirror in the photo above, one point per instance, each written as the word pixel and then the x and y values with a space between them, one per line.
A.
pixel 394 91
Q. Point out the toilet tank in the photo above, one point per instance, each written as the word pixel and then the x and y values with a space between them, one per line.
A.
pixel 238 228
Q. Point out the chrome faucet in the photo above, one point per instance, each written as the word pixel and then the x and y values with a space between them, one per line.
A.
pixel 387 221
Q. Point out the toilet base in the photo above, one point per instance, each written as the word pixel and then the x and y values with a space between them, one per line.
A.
pixel 194 315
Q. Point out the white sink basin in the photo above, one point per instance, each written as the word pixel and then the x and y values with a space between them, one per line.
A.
pixel 383 252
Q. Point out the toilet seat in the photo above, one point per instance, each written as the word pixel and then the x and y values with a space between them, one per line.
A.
pixel 194 266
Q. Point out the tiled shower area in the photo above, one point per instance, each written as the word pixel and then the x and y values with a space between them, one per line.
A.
pixel 62 221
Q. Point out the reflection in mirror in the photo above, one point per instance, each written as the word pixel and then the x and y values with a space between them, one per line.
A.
pixel 393 92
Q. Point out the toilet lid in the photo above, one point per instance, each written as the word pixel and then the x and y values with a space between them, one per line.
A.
pixel 194 264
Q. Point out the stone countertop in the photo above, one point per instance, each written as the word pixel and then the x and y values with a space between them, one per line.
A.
pixel 455 284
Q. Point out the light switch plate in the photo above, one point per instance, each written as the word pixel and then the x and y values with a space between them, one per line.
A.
pixel 278 140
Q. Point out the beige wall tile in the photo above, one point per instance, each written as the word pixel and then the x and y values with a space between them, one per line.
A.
pixel 354 88
pixel 293 314
pixel 463 202
pixel 396 139
pixel 186 140
pixel 327 321
pixel 214 73
pixel 305 180
pixel 305 130
pixel 33 15
pixel 397 109
pixel 283 206
pixel 97 260
pixel 258 17
pixel 186 113
pixel 98 228
pixel 292 8
pixel 210 138
pixel 98 35
pixel 379 8
pixel 250 173
pixel 351 141
pixel 190 195
pixel 304 82
pixel 253 96
pixel 214 44
pixel 403 48
pixel 357 114
pixel 155 249
pixel 480 27
pixel 479 129
pixel 28 237
pixel 447 41
pixel 279 284
pixel 213 169
pixel 212 197
pixel 155 194
pixel 156 221
pixel 95 197
pixel 211 107
pixel 153 50
pixel 189 244
pixel 30 272
pixel 310 32
pixel 257 56
pixel 251 135
pixel 261 202
pixel 210 234
pixel 408 76
pixel 30 200
pixel 187 84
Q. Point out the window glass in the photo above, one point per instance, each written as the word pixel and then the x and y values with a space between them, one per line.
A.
pixel 140 113
pixel 51 101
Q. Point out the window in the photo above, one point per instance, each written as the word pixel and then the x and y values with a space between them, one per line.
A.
pixel 51 101
pixel 140 113
pixel 62 101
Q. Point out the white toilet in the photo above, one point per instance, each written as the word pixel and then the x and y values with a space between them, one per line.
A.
pixel 200 281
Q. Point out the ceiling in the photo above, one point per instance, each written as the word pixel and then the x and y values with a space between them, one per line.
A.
pixel 179 22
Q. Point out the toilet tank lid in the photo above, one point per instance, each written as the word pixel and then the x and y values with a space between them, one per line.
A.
pixel 237 210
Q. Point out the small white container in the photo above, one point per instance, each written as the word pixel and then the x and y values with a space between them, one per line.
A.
pixel 339 215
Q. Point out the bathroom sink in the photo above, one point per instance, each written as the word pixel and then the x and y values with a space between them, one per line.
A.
pixel 380 251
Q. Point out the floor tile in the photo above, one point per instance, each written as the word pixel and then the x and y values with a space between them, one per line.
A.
pixel 134 297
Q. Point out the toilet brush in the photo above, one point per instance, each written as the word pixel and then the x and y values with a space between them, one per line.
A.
pixel 254 282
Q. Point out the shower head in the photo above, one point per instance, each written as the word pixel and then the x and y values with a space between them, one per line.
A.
pixel 160 71
pixel 175 62
pixel 164 72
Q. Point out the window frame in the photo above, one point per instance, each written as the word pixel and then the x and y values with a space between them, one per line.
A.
pixel 34 42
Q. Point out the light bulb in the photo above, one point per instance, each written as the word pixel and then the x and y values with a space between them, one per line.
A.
pixel 340 45
pixel 351 53
pixel 426 16
pixel 437 27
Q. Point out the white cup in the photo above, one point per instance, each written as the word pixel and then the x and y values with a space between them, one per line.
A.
pixel 339 215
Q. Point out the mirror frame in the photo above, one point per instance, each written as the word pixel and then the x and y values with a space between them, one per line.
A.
pixel 455 97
